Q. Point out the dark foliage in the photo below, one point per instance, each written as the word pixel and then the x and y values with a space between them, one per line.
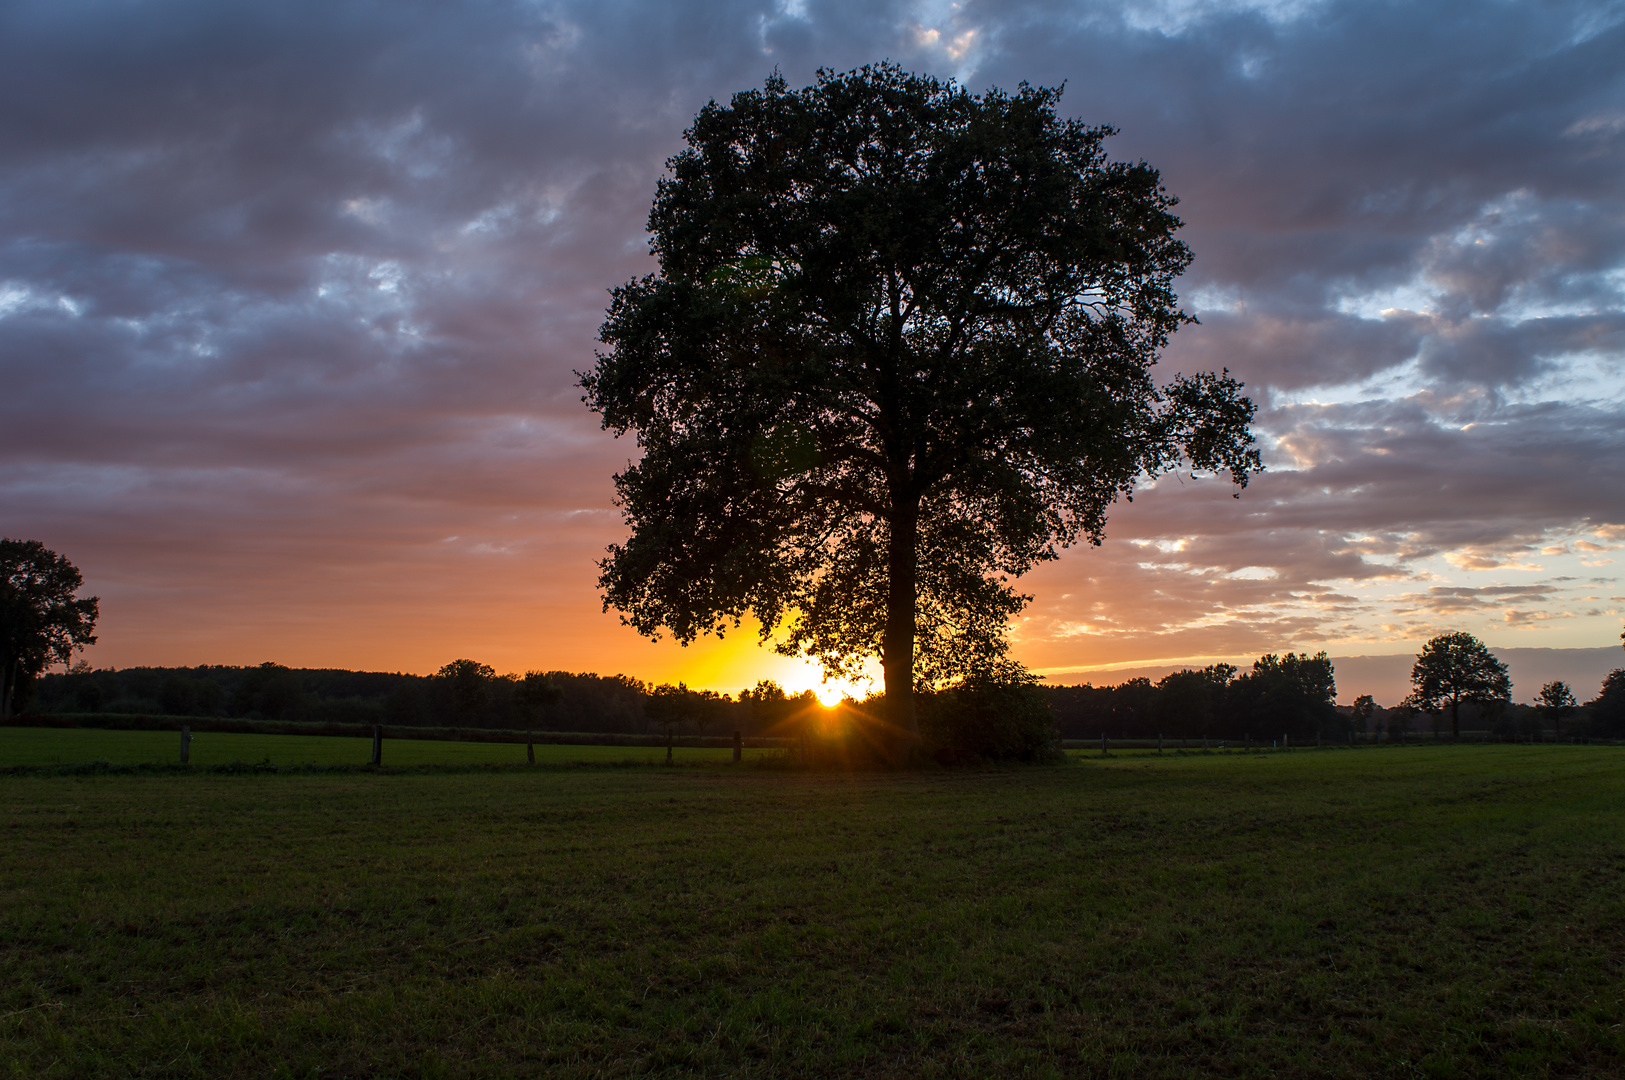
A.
pixel 677 709
pixel 773 712
pixel 1291 695
pixel 1556 703
pixel 1605 715
pixel 1453 669
pixel 42 621
pixel 985 719
pixel 464 694
pixel 897 353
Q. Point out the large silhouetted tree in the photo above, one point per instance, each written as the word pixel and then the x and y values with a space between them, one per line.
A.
pixel 1453 668
pixel 898 352
pixel 42 622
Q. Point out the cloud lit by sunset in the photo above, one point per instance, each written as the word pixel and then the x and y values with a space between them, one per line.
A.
pixel 292 298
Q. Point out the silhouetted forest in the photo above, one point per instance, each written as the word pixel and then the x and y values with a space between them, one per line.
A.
pixel 1293 696
pixel 464 694
pixel 1288 695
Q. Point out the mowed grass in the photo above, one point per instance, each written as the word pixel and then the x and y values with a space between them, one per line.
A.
pixel 1383 912
pixel 67 746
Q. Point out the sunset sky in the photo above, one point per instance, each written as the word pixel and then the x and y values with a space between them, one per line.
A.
pixel 292 294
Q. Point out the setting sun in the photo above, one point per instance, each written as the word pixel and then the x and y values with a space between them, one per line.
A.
pixel 830 694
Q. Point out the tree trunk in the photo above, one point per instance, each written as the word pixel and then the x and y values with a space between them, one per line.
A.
pixel 897 649
pixel 1455 723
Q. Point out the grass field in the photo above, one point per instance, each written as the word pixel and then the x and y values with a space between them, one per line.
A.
pixel 63 746
pixel 1386 912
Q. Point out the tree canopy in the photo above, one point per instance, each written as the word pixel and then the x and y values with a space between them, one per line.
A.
pixel 1295 694
pixel 898 351
pixel 1555 701
pixel 42 622
pixel 1453 668
pixel 534 693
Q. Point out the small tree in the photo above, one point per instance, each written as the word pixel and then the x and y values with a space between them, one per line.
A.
pixel 42 622
pixel 996 716
pixel 1364 709
pixel 531 697
pixel 466 686
pixel 673 707
pixel 1607 710
pixel 1453 668
pixel 535 692
pixel 1401 718
pixel 773 712
pixel 1555 702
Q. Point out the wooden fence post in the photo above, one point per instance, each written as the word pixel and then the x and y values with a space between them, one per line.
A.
pixel 530 748
pixel 377 744
pixel 186 744
pixel 1102 744
pixel 1159 742
pixel 739 747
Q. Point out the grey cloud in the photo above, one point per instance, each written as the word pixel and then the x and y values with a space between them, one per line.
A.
pixel 1455 600
pixel 1505 352
pixel 1293 349
pixel 312 278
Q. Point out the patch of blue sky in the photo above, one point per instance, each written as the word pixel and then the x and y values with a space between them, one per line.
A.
pixel 1596 379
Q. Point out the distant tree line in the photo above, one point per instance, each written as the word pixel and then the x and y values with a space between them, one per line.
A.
pixel 1457 684
pixel 1292 695
pixel 464 693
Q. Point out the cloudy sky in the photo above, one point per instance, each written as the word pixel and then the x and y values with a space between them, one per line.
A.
pixel 292 294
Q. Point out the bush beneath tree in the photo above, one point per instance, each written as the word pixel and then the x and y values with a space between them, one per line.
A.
pixel 983 719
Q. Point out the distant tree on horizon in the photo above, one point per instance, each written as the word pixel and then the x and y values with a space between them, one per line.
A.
pixel 774 712
pixel 1294 695
pixel 1607 710
pixel 898 352
pixel 674 706
pixel 466 687
pixel 533 694
pixel 1555 701
pixel 1191 701
pixel 1457 667
pixel 1365 707
pixel 42 621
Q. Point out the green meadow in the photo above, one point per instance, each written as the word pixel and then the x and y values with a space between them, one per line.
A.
pixel 1437 911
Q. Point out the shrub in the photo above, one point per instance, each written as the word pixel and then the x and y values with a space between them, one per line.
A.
pixel 989 719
